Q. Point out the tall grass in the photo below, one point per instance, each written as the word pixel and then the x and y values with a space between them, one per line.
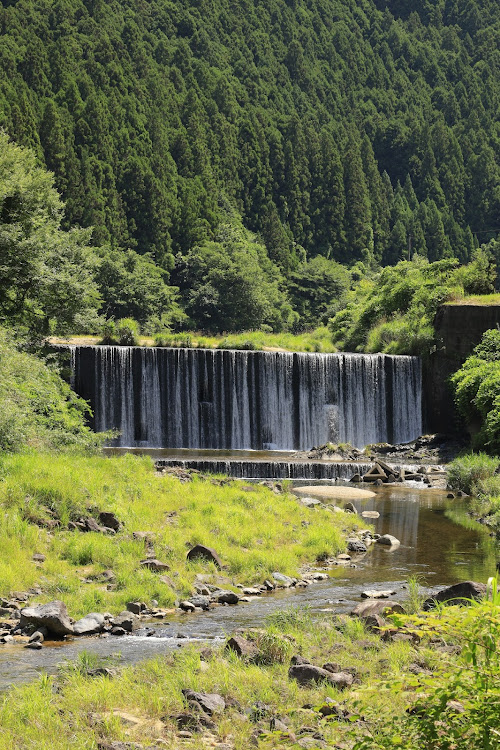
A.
pixel 246 528
pixel 472 472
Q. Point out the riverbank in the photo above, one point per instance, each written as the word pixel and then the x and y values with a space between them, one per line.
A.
pixel 301 682
pixel 58 514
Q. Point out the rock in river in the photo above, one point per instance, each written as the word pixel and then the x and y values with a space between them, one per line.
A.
pixel 53 616
pixel 90 624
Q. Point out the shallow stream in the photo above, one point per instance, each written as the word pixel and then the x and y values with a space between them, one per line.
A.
pixel 438 544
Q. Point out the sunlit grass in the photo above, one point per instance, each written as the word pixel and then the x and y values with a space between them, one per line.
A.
pixel 319 340
pixel 254 532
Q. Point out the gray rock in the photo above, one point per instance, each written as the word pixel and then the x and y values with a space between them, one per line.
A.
pixel 370 514
pixel 126 620
pixel 460 593
pixel 310 502
pixel 38 636
pixel 118 631
pixel 53 616
pixel 109 520
pixel 356 545
pixel 210 703
pixel 388 540
pixel 242 647
pixel 199 601
pixel 285 581
pixel 34 645
pixel 136 607
pixel 305 674
pixel 154 564
pixel 252 591
pixel 350 507
pixel 200 552
pixel 90 624
pixel 225 597
pixel 187 606
pixel 38 558
pixel 376 607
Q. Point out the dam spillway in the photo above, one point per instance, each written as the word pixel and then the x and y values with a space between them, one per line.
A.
pixel 227 399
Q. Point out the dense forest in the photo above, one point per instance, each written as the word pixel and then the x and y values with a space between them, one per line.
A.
pixel 229 144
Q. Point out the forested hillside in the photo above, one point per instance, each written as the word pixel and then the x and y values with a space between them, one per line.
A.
pixel 344 127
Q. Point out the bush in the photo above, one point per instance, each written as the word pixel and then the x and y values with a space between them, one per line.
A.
pixel 477 391
pixel 469 473
pixel 393 311
pixel 127 330
pixel 37 408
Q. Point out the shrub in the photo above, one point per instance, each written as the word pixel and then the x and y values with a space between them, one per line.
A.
pixel 127 330
pixel 469 472
pixel 477 391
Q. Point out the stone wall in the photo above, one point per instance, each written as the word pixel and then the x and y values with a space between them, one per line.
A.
pixel 459 329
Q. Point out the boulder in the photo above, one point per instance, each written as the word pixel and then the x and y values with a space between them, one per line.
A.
pixel 305 674
pixel 388 540
pixel 242 647
pixel 310 502
pixel 225 597
pixel 210 703
pixel 460 593
pixel 154 564
pixel 376 607
pixel 126 620
pixel 200 552
pixel 187 606
pixel 285 581
pixel 356 545
pixel 370 514
pixel 109 520
pixel 90 624
pixel 136 607
pixel 38 558
pixel 53 616
pixel 199 601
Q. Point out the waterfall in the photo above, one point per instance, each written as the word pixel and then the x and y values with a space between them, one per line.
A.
pixel 226 399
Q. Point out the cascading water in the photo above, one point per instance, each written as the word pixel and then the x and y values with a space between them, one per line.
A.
pixel 222 399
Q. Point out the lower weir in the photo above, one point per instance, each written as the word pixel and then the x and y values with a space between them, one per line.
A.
pixel 241 469
pixel 220 399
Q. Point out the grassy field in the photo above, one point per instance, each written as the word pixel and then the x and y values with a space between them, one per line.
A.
pixel 318 340
pixel 254 531
pixel 439 691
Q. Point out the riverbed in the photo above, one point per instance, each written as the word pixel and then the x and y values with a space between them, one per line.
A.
pixel 438 545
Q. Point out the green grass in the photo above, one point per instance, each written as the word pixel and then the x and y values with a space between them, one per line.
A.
pixel 318 340
pixel 79 712
pixel 476 299
pixel 74 710
pixel 254 532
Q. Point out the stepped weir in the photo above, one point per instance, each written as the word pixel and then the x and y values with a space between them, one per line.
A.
pixel 226 399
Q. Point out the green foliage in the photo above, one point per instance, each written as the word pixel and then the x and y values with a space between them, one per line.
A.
pixel 37 408
pixel 132 285
pixel 477 392
pixel 468 473
pixel 46 281
pixel 230 284
pixel 393 310
pixel 358 132
pixel 128 331
pixel 317 290
pixel 458 704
